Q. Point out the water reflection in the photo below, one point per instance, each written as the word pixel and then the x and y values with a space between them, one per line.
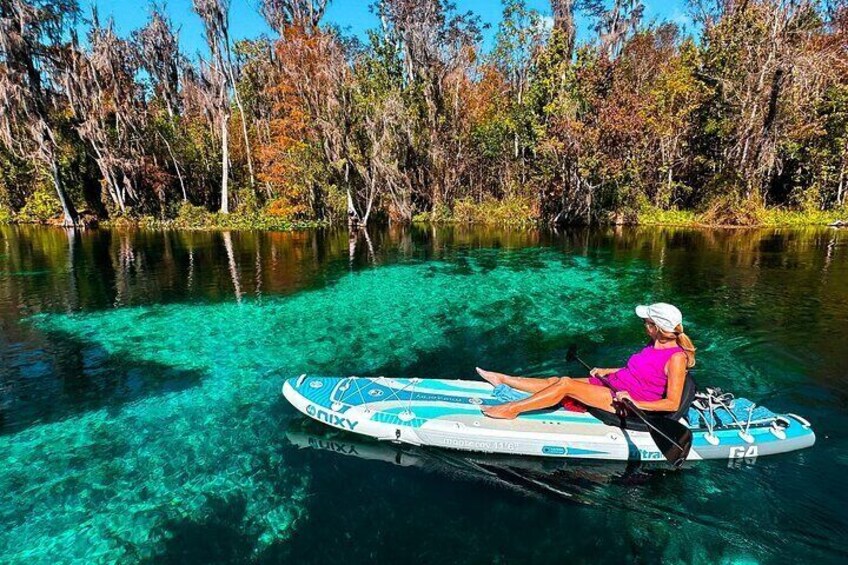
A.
pixel 107 268
pixel 666 514
pixel 570 481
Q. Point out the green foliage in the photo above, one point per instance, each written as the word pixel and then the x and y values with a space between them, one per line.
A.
pixel 197 217
pixel 5 216
pixel 17 178
pixel 247 202
pixel 728 212
pixel 441 213
pixel 126 220
pixel 150 222
pixel 732 210
pixel 517 211
pixel 652 216
pixel 42 206
pixel 193 217
pixel 509 211
pixel 775 217
pixel 335 201
pixel 491 137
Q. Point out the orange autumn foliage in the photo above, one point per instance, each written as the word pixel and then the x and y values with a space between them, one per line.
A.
pixel 284 161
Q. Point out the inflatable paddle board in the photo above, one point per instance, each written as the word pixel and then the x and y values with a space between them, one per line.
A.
pixel 447 413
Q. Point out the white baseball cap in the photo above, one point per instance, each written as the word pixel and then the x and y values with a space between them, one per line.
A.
pixel 666 316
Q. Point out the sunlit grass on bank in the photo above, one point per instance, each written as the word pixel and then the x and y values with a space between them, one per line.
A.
pixel 519 212
pixel 755 216
pixel 199 218
pixel 514 211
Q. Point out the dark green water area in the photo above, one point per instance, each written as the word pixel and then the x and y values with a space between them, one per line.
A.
pixel 141 417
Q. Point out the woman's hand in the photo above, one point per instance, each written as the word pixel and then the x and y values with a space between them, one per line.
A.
pixel 598 372
pixel 623 395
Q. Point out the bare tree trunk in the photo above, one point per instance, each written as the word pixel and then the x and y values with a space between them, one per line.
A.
pixel 225 166
pixel 30 45
pixel 109 177
pixel 176 166
pixel 70 213
pixel 243 120
pixel 670 179
pixel 352 214
pixel 371 193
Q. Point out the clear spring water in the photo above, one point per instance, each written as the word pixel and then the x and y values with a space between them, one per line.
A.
pixel 141 420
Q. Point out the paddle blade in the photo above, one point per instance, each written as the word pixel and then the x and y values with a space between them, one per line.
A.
pixel 673 439
pixel 571 354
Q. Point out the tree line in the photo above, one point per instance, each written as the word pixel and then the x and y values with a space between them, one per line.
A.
pixel 418 120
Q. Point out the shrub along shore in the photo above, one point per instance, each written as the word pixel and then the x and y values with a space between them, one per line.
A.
pixel 510 214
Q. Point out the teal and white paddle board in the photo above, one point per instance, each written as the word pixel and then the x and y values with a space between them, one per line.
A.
pixel 447 413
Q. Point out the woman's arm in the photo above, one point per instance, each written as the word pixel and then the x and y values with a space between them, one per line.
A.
pixel 676 371
pixel 598 372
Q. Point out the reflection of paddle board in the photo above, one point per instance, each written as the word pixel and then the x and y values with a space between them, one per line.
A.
pixel 447 413
pixel 527 475
pixel 362 449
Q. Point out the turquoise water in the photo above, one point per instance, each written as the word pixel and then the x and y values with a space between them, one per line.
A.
pixel 142 420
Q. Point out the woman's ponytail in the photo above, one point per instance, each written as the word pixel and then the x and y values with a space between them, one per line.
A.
pixel 684 343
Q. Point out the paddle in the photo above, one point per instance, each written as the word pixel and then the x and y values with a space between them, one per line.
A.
pixel 673 439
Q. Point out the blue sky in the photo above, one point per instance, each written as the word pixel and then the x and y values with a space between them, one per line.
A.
pixel 353 16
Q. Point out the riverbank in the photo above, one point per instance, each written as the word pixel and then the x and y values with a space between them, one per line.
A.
pixel 189 217
pixel 763 217
pixel 516 214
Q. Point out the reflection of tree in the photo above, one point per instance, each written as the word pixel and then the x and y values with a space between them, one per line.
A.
pixel 231 260
pixel 257 264
pixel 96 268
pixel 123 261
pixel 190 277
pixel 353 240
pixel 73 302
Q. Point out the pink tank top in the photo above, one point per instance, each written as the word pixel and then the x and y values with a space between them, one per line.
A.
pixel 644 376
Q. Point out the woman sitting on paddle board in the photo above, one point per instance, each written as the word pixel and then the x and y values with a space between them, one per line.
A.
pixel 653 378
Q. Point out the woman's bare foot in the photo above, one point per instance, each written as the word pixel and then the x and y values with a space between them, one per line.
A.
pixel 491 377
pixel 501 412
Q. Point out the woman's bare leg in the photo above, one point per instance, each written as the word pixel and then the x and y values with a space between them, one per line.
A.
pixel 526 384
pixel 589 394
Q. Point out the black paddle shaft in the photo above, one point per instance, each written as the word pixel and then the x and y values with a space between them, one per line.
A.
pixel 662 429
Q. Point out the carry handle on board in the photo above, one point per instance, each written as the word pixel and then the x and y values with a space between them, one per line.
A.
pixel 673 439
